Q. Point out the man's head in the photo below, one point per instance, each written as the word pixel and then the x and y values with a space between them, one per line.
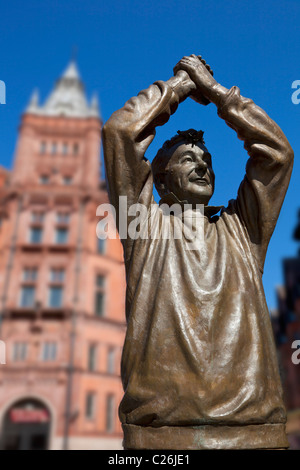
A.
pixel 183 166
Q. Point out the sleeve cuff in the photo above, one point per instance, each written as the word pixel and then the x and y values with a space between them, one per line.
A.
pixel 231 98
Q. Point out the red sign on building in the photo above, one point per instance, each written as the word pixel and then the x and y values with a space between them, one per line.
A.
pixel 21 415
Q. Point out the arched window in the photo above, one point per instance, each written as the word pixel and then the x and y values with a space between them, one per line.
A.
pixel 26 426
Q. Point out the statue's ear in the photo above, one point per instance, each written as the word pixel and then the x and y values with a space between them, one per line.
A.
pixel 160 184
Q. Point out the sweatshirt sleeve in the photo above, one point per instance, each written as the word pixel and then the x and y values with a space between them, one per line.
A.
pixel 268 170
pixel 126 137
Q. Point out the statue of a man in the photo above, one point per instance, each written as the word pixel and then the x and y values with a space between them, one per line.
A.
pixel 199 366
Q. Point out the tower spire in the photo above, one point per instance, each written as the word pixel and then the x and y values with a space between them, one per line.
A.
pixel 68 96
pixel 71 72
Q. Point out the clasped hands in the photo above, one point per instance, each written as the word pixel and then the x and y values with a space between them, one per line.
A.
pixel 197 76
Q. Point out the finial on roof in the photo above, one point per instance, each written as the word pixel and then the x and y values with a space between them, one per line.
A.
pixel 71 71
pixel 33 102
pixel 94 106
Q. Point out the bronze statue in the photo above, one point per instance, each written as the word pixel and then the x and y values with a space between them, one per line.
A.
pixel 199 365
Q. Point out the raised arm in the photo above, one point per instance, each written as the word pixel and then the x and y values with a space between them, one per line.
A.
pixel 269 167
pixel 129 132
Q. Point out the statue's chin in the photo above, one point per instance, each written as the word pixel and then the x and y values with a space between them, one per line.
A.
pixel 199 195
pixel 192 199
pixel 196 198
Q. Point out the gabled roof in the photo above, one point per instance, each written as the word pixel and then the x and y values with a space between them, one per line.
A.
pixel 66 99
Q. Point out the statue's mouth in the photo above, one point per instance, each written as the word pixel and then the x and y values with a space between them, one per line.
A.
pixel 200 181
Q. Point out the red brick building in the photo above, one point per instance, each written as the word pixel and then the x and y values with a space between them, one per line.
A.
pixel 286 325
pixel 61 288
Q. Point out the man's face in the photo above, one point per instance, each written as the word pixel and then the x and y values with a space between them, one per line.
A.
pixel 189 173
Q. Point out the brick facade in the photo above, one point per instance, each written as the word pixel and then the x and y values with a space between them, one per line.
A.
pixel 61 290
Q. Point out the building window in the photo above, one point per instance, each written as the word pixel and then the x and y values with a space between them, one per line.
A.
pixel 67 180
pixel 57 275
pixel 92 351
pixel 101 236
pixel 29 274
pixel 75 149
pixel 63 218
pixel 90 403
pixel 44 179
pixel 36 229
pixel 110 413
pixel 37 217
pixel 65 149
pixel 19 352
pixel 27 296
pixel 55 296
pixel 100 295
pixel 61 235
pixel 56 288
pixel 29 278
pixel 35 234
pixel 49 351
pixel 43 148
pixel 101 246
pixel 54 148
pixel 111 354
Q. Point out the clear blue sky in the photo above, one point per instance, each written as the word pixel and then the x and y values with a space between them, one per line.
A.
pixel 124 46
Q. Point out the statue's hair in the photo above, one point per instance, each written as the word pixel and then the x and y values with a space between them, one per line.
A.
pixel 162 157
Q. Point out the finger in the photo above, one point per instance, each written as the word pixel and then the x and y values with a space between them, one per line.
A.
pixel 183 62
pixel 180 66
pixel 178 63
pixel 186 62
pixel 180 69
pixel 175 69
pixel 190 57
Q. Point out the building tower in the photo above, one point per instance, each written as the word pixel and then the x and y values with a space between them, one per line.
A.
pixel 61 288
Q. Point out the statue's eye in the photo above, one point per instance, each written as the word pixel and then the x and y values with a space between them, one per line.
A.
pixel 187 159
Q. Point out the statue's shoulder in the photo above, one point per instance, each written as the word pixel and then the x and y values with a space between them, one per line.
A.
pixel 226 213
pixel 230 209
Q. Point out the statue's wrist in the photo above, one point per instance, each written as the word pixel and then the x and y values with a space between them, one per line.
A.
pixel 182 85
pixel 216 93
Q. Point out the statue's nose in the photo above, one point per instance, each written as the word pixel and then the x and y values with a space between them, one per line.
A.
pixel 201 165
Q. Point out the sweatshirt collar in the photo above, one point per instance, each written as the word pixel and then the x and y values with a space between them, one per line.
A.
pixel 171 199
